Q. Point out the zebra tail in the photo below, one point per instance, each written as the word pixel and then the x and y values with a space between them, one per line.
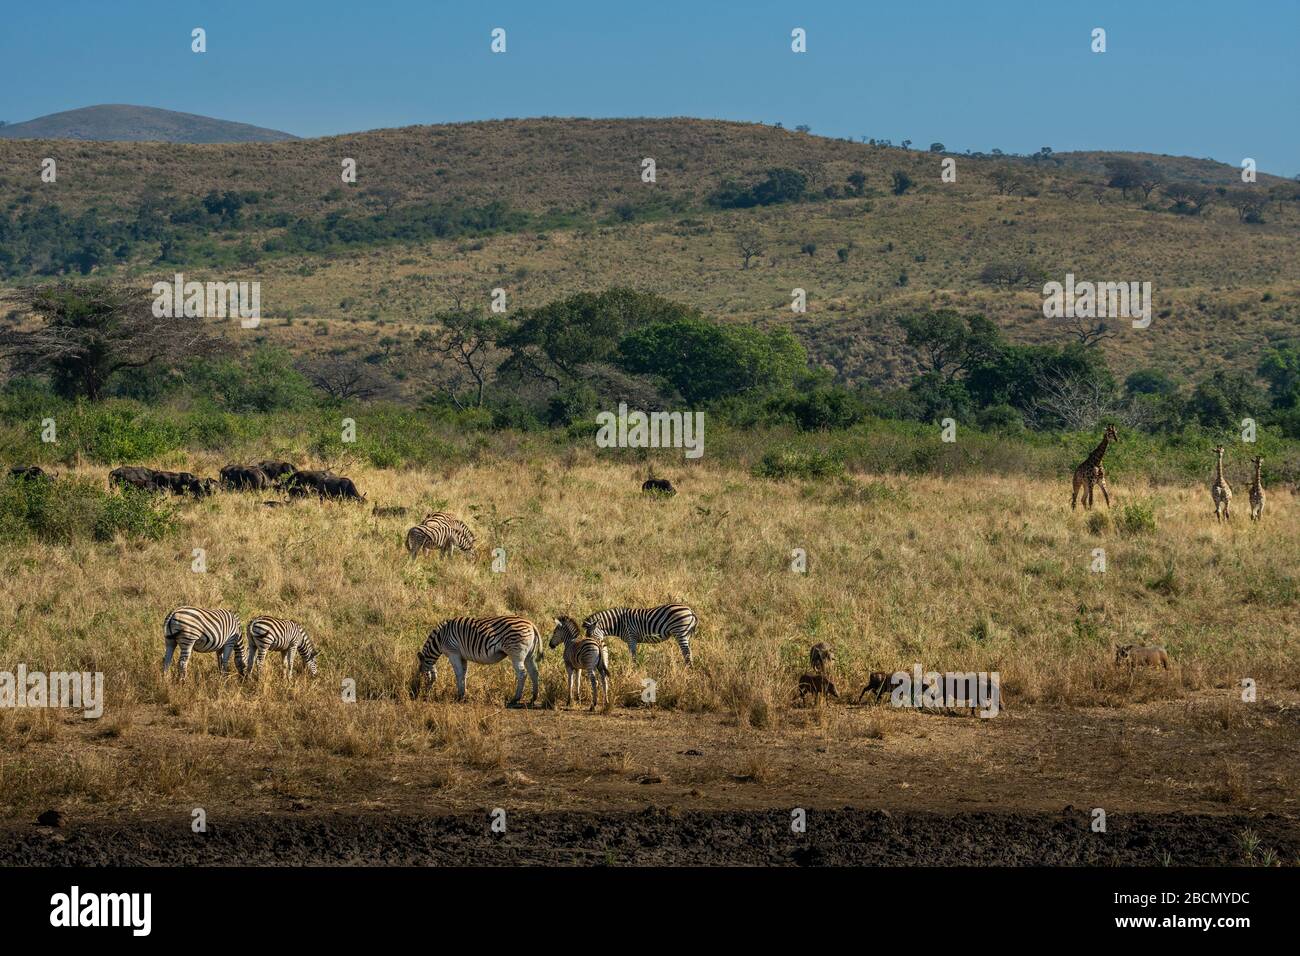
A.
pixel 537 638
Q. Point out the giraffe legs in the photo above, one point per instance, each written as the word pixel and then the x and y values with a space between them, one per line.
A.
pixel 1104 490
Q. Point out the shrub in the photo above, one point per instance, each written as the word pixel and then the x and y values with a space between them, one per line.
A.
pixel 1098 522
pixel 788 463
pixel 1136 518
pixel 71 509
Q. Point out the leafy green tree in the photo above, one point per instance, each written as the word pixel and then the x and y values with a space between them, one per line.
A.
pixel 553 343
pixel 705 361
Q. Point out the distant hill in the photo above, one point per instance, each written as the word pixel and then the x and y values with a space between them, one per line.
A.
pixel 548 207
pixel 117 122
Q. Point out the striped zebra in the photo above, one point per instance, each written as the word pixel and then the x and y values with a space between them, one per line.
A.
pixel 200 629
pixel 582 652
pixel 646 625
pixel 483 640
pixel 439 531
pixel 276 634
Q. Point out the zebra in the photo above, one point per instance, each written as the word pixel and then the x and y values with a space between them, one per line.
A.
pixel 276 634
pixel 200 629
pixel 439 531
pixel 649 625
pixel 582 653
pixel 483 640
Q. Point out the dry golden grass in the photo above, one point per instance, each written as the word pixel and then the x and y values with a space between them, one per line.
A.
pixel 988 574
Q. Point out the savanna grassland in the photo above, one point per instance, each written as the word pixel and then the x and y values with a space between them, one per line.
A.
pixel 966 573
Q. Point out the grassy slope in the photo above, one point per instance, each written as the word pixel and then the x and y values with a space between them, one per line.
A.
pixel 1210 275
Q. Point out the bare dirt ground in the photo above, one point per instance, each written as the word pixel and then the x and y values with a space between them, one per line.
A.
pixel 1206 779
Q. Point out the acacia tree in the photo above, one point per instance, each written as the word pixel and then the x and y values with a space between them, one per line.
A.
pixel 86 332
pixel 469 338
pixel 749 243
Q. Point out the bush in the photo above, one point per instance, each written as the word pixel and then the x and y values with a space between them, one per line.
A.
pixel 780 465
pixel 1098 522
pixel 111 434
pixel 1136 518
pixel 71 509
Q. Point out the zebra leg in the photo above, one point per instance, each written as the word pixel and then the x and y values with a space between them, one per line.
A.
pixel 568 686
pixel 595 694
pixel 530 664
pixel 183 662
pixel 631 649
pixel 684 643
pixel 458 667
pixel 167 655
pixel 519 681
pixel 288 663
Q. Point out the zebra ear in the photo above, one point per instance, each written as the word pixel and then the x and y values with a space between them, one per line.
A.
pixel 557 622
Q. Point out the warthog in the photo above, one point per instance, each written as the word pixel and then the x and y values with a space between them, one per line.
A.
pixel 817 685
pixel 1144 656
pixel 30 472
pixel 661 486
pixel 392 511
pixel 878 681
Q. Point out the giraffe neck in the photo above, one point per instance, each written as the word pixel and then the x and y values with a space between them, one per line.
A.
pixel 1257 474
pixel 1220 467
pixel 1099 452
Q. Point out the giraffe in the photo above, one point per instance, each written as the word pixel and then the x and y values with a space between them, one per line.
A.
pixel 1219 490
pixel 1090 473
pixel 1257 491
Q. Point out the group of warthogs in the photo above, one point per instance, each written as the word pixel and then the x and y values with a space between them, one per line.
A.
pixel 260 476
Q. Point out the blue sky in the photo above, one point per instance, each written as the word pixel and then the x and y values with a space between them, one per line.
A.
pixel 1190 78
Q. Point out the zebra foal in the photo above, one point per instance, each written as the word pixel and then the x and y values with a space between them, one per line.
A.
pixel 582 652
pixel 276 634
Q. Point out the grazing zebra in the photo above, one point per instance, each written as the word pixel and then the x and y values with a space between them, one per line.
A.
pixel 276 634
pixel 483 640
pixel 439 531
pixel 649 625
pixel 582 652
pixel 199 629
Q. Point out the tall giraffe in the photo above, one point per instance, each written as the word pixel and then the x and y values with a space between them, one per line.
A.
pixel 1257 491
pixel 1219 490
pixel 1090 472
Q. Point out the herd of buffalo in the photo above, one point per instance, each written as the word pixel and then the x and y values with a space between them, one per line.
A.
pixel 259 476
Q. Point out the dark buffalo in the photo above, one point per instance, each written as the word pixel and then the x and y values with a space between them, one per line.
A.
pixel 275 470
pixel 661 486
pixel 31 472
pixel 307 482
pixel 184 483
pixel 336 486
pixel 134 476
pixel 244 478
